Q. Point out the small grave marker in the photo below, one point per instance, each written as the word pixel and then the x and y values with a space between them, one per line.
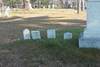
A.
pixel 26 34
pixel 51 33
pixel 35 35
pixel 67 35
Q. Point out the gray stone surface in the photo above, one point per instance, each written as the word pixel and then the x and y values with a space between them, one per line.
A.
pixel 35 35
pixel 51 33
pixel 91 35
pixel 67 35
pixel 89 42
pixel 93 20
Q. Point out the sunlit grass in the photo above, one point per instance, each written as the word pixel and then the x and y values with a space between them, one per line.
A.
pixel 64 13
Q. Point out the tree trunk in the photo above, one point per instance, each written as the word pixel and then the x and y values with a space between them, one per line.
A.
pixel 1 3
pixel 27 4
pixel 1 6
pixel 23 2
pixel 83 5
pixel 78 6
pixel 61 3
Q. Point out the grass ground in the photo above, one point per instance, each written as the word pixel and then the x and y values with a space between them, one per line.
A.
pixel 45 52
pixel 49 52
pixel 38 19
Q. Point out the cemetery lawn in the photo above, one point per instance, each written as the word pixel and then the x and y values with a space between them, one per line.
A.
pixel 38 19
pixel 45 52
pixel 50 52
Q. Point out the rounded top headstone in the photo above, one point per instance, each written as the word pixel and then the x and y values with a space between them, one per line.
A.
pixel 26 34
pixel 26 31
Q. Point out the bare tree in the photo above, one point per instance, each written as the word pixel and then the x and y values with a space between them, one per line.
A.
pixel 23 2
pixel 82 5
pixel 26 4
pixel 1 3
pixel 78 6
pixel 61 3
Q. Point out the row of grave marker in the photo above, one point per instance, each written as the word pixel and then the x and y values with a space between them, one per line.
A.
pixel 51 34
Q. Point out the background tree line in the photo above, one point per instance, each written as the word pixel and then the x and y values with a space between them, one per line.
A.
pixel 75 4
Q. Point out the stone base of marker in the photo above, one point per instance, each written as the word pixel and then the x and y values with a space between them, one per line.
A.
pixel 89 42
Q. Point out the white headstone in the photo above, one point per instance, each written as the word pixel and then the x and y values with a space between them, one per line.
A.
pixel 35 35
pixel 67 35
pixel 51 33
pixel 26 34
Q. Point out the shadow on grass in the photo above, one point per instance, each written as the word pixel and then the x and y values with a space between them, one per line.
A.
pixel 42 22
pixel 8 18
pixel 11 28
pixel 43 19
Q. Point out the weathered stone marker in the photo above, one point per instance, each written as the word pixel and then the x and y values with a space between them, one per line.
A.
pixel 67 35
pixel 35 35
pixel 26 34
pixel 90 38
pixel 51 33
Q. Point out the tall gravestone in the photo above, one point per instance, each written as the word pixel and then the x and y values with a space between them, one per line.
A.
pixel 90 38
